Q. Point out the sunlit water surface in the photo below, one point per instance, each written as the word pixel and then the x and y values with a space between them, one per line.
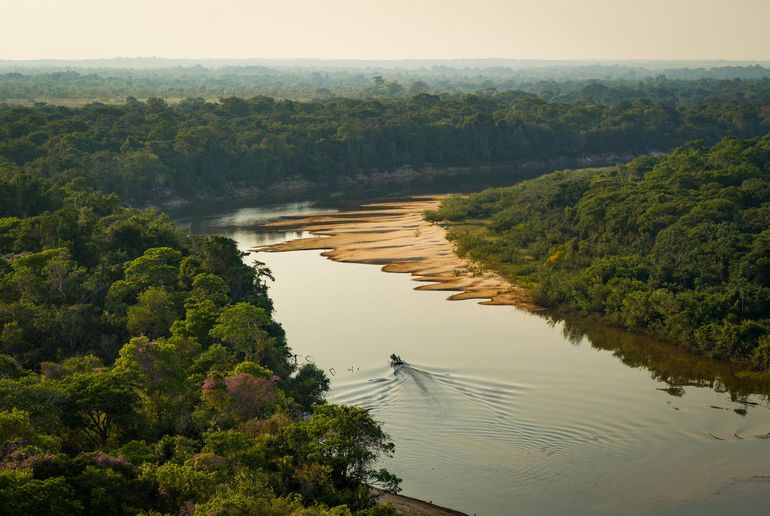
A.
pixel 503 412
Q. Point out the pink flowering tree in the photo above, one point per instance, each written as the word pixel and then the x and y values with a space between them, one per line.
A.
pixel 238 398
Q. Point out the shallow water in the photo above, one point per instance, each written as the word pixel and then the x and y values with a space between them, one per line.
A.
pixel 500 411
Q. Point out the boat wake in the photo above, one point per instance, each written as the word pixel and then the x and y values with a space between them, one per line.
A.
pixel 418 394
pixel 480 420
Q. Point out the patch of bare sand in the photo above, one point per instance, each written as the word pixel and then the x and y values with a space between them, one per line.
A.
pixel 395 235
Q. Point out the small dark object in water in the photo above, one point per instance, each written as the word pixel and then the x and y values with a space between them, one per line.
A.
pixel 673 390
pixel 395 360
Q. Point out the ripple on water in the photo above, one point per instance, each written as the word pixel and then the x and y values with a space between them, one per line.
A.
pixel 502 422
pixel 576 431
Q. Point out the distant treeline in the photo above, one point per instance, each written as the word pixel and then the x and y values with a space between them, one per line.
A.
pixel 311 81
pixel 678 246
pixel 151 151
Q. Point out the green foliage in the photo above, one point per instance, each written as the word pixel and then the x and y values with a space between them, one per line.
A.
pixel 9 367
pixel 157 267
pixel 153 314
pixel 165 392
pixel 23 495
pixel 157 152
pixel 71 365
pixel 136 452
pixel 676 246
pixel 15 424
pixel 250 495
pixel 308 386
pixel 101 405
pixel 338 446
pixel 234 82
pixel 171 422
pixel 240 328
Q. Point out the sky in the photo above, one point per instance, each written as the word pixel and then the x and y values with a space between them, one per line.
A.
pixel 386 29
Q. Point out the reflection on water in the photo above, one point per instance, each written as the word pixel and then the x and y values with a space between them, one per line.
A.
pixel 243 221
pixel 666 363
pixel 499 411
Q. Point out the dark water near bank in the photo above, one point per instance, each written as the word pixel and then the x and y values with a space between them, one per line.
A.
pixel 500 411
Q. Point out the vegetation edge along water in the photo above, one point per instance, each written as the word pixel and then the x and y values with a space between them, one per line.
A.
pixel 676 245
pixel 142 372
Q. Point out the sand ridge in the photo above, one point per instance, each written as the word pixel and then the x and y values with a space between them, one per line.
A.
pixel 395 235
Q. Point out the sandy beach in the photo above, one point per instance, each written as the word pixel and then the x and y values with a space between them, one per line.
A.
pixel 395 235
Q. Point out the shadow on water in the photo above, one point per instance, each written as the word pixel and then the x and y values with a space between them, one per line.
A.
pixel 665 361
pixel 352 195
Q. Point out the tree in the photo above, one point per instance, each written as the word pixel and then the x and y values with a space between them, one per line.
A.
pixel 349 442
pixel 156 267
pixel 211 287
pixel 417 88
pixel 101 405
pixel 71 365
pixel 162 381
pixel 248 493
pixel 15 424
pixel 251 397
pixel 153 314
pixel 50 276
pixel 309 386
pixel 240 328
pixel 393 89
pixel 21 494
pixel 220 256
pixel 200 316
pixel 216 358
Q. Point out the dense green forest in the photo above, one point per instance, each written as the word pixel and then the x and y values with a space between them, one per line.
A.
pixel 678 246
pixel 141 371
pixel 153 151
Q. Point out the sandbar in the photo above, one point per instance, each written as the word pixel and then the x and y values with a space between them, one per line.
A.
pixel 395 235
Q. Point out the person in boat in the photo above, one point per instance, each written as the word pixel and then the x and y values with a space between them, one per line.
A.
pixel 395 359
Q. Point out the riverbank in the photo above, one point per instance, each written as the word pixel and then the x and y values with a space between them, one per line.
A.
pixel 425 179
pixel 409 506
pixel 396 236
pixel 504 411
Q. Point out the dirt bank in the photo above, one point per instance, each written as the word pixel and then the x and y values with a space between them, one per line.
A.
pixel 413 507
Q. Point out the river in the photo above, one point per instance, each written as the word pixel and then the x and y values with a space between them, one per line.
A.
pixel 502 411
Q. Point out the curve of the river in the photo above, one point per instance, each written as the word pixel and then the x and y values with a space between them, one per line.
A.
pixel 502 411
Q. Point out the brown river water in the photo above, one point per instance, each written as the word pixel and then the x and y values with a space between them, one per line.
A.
pixel 504 411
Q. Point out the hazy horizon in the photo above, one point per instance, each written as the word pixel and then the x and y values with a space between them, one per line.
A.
pixel 458 65
pixel 561 30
